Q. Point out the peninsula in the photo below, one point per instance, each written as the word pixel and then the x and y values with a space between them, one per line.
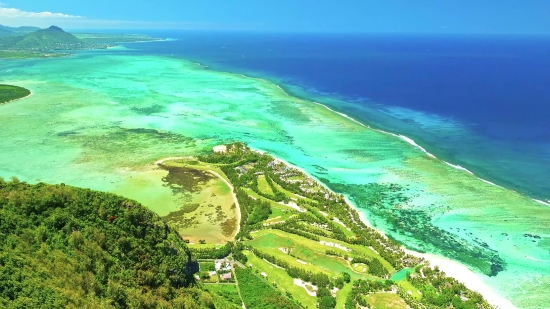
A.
pixel 305 242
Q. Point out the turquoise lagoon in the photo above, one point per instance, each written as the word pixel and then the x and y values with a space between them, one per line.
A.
pixel 101 119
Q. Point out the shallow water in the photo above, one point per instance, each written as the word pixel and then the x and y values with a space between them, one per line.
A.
pixel 100 120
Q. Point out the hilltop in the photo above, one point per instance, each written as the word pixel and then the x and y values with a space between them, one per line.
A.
pixel 32 42
pixel 65 247
pixel 52 38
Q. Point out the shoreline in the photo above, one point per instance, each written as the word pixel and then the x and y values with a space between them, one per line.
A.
pixel 400 136
pixel 465 275
pixel 28 95
pixel 415 145
pixel 452 268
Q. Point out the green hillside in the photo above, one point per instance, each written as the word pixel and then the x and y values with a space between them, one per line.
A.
pixel 52 38
pixel 65 247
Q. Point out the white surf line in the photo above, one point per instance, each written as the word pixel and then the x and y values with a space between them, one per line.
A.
pixel 403 137
pixel 491 183
pixel 533 259
pixel 413 143
pixel 541 202
pixel 458 167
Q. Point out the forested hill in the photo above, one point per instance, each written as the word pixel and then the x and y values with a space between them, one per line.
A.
pixel 65 247
pixel 52 38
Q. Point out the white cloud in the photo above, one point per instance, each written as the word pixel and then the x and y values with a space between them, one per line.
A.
pixel 20 14
pixel 16 17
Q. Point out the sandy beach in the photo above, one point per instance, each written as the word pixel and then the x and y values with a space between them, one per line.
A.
pixel 28 95
pixel 470 279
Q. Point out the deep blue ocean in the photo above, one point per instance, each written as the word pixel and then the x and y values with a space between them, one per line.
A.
pixel 482 102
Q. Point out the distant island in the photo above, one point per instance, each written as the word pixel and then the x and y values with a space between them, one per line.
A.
pixel 9 93
pixel 31 42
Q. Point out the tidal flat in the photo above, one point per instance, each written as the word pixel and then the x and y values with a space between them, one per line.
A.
pixel 100 120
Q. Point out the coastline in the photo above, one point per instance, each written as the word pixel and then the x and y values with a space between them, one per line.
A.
pixel 465 275
pixel 415 145
pixel 404 138
pixel 362 125
pixel 400 136
pixel 28 95
pixel 452 268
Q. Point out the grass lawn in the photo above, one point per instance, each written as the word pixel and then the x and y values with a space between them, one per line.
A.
pixel 298 240
pixel 385 301
pixel 329 263
pixel 343 294
pixel 304 249
pixel 263 186
pixel 227 291
pixel 258 293
pixel 284 282
pixel 203 246
pixel 360 267
pixel 407 286
pixel 296 178
pixel 290 194
pixel 279 212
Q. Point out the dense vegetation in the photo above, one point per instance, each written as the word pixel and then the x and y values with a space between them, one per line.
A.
pixel 9 92
pixel 76 248
pixel 33 42
pixel 44 39
pixel 258 294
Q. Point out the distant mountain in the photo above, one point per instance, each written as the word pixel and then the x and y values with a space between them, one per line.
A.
pixel 52 38
pixel 13 31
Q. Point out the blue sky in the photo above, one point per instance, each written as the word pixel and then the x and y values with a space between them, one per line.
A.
pixel 418 16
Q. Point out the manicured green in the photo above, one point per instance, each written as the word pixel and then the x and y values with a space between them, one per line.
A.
pixel 258 294
pixel 263 186
pixel 385 301
pixel 9 93
pixel 407 286
pixel 283 281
